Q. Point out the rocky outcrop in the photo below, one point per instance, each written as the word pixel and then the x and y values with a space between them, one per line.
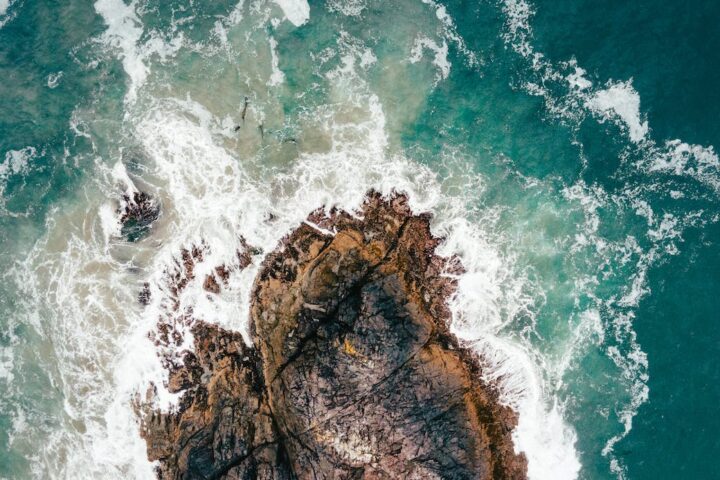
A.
pixel 354 373
pixel 138 211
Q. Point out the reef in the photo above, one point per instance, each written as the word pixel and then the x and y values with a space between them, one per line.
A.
pixel 353 372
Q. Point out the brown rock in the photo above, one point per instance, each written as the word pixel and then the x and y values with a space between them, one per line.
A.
pixel 223 427
pixel 354 375
pixel 211 285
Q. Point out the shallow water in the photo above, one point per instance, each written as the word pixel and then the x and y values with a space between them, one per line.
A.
pixel 564 148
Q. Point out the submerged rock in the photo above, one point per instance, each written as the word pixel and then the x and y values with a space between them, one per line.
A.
pixel 354 373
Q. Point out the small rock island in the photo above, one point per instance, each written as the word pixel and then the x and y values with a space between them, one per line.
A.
pixel 354 373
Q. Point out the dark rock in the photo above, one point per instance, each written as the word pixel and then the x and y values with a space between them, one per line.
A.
pixel 224 274
pixel 137 213
pixel 246 253
pixel 144 295
pixel 355 373
pixel 244 110
pixel 211 285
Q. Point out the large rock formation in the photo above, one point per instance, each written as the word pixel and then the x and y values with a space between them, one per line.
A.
pixel 354 373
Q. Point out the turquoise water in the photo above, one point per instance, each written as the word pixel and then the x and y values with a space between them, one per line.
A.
pixel 565 148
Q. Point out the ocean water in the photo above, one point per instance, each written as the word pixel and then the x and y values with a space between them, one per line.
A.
pixel 565 148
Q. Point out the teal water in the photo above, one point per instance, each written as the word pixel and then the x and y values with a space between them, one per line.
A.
pixel 566 149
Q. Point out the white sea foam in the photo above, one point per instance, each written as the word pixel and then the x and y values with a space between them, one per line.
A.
pixel 490 295
pixel 449 31
pixel 518 32
pixel 440 59
pixel 53 80
pixel 82 293
pixel 620 103
pixel 682 159
pixel 542 433
pixel 109 212
pixel 277 76
pixel 351 8
pixel 16 163
pixel 578 80
pixel 124 31
pixel 634 364
pixel 621 100
pixel 4 15
pixel 6 364
pixel 296 11
pixel 664 231
pixel 617 101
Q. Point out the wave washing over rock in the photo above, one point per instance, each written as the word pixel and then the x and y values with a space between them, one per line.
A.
pixel 353 373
